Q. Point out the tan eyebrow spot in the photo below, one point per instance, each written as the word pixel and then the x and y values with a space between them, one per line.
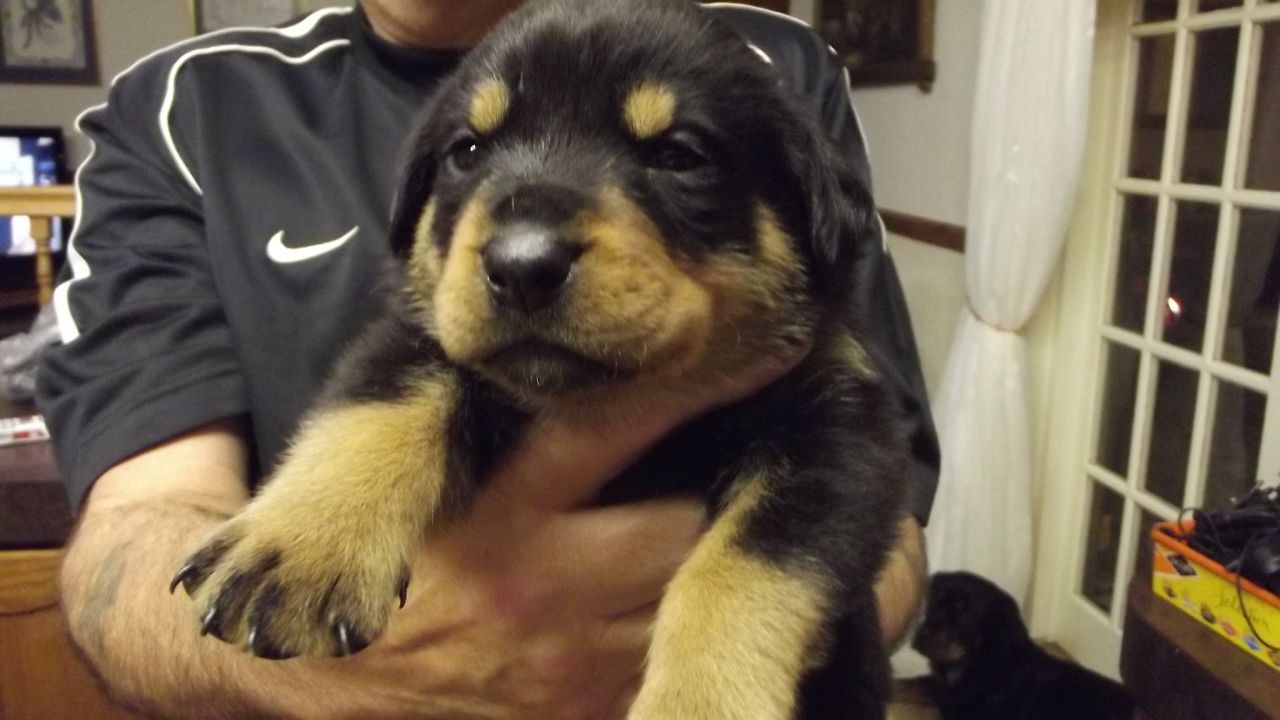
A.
pixel 490 102
pixel 649 110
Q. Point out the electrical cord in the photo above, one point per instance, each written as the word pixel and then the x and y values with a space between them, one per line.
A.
pixel 1244 540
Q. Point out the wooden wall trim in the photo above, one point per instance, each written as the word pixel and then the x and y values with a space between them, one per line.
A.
pixel 44 200
pixel 28 580
pixel 933 232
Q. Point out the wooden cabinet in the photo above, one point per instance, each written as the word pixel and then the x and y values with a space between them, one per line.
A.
pixel 40 676
pixel 1178 669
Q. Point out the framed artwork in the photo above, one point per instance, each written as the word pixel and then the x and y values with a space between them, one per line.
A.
pixel 47 41
pixel 217 14
pixel 881 42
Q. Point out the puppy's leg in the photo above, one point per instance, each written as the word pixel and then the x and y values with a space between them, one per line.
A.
pixel 737 630
pixel 316 563
pixel 855 682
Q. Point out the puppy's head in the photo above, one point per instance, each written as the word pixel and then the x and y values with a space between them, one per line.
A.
pixel 611 195
pixel 967 620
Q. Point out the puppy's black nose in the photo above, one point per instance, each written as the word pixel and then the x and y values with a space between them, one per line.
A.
pixel 526 267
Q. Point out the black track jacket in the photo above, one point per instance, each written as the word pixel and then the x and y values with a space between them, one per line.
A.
pixel 230 237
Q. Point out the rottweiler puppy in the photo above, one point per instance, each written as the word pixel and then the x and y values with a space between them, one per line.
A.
pixel 608 203
pixel 986 667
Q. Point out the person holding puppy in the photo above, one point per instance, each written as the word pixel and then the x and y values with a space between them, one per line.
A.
pixel 230 236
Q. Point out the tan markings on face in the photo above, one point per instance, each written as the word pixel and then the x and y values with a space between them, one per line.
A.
pixel 649 110
pixel 633 303
pixel 762 297
pixel 735 633
pixel 462 314
pixel 629 303
pixel 638 298
pixel 490 102
pixel 844 350
pixel 424 260
pixel 953 652
pixel 424 267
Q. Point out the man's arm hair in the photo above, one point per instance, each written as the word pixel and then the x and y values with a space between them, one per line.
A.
pixel 140 520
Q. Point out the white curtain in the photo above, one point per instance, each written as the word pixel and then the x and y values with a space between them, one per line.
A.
pixel 1029 122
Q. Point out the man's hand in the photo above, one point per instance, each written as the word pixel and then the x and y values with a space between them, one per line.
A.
pixel 535 607
pixel 900 587
pixel 529 607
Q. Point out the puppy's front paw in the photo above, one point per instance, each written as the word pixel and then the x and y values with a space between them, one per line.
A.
pixel 283 584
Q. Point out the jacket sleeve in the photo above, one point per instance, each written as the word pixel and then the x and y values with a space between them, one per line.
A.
pixel 886 321
pixel 807 65
pixel 146 353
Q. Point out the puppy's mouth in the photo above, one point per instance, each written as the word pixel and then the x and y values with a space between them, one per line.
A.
pixel 542 367
pixel 941 648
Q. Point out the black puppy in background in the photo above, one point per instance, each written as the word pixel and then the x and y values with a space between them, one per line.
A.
pixel 986 667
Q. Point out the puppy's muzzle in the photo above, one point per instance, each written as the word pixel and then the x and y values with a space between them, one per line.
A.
pixel 527 265
pixel 529 261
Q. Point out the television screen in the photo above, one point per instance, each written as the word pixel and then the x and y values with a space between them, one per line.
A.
pixel 29 156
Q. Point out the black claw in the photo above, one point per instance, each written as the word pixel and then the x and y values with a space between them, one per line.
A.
pixel 344 641
pixel 209 621
pixel 233 598
pixel 404 589
pixel 264 608
pixel 349 641
pixel 182 574
pixel 260 645
pixel 322 610
pixel 197 568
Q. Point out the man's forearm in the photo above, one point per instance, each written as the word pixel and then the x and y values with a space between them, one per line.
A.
pixel 144 643
pixel 900 587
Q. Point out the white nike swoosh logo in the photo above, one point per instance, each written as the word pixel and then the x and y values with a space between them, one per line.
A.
pixel 283 254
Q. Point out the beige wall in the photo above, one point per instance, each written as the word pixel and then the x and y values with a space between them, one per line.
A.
pixel 126 30
pixel 933 281
pixel 919 145
pixel 919 142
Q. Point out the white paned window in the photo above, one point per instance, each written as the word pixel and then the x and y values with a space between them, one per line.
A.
pixel 1182 401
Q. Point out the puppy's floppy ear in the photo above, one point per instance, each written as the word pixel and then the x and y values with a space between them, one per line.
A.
pixel 415 189
pixel 997 615
pixel 842 215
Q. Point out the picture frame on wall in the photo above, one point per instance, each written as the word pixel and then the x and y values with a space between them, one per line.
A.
pixel 48 41
pixel 881 42
pixel 213 15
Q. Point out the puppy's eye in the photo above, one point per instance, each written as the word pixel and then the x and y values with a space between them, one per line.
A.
pixel 678 153
pixel 465 154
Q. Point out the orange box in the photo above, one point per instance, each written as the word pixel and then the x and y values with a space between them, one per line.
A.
pixel 1206 591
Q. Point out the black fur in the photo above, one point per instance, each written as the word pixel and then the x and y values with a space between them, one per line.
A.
pixel 986 667
pixel 760 139
pixel 826 436
pixel 832 426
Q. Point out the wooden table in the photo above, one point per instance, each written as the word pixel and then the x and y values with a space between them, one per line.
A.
pixel 40 676
pixel 1178 669
pixel 34 512
pixel 33 505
